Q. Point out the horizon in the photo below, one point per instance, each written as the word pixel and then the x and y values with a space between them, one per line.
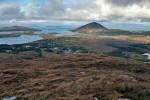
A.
pixel 111 25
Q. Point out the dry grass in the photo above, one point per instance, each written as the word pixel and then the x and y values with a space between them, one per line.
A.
pixel 47 36
pixel 142 39
pixel 73 77
pixel 138 39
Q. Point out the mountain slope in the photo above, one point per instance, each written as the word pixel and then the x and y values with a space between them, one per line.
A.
pixel 95 27
pixel 91 27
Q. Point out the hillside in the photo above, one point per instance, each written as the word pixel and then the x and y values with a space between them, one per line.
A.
pixel 73 77
pixel 17 28
pixel 91 27
pixel 96 28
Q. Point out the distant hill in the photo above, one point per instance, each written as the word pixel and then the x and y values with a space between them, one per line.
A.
pixel 91 27
pixel 146 33
pixel 97 28
pixel 17 28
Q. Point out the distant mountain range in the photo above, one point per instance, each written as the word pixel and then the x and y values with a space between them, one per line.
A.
pixel 96 28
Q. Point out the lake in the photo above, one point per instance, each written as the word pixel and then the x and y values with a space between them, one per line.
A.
pixel 61 27
pixel 9 32
pixel 44 27
pixel 19 40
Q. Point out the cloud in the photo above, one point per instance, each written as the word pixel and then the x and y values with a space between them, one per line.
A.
pixel 52 8
pixel 10 11
pixel 47 9
pixel 33 10
pixel 123 2
pixel 111 10
pixel 93 10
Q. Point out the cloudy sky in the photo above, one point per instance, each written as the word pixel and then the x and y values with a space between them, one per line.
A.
pixel 88 10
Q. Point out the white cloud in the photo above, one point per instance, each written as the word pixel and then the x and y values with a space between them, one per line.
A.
pixel 111 10
pixel 10 11
pixel 52 9
pixel 95 10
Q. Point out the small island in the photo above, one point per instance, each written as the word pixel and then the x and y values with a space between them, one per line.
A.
pixel 18 28
pixel 9 35
pixel 17 31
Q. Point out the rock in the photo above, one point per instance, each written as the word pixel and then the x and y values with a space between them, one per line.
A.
pixel 95 98
pixel 83 73
pixel 123 99
pixel 10 98
pixel 1 74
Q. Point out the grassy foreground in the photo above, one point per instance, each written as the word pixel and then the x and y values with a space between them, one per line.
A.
pixel 73 77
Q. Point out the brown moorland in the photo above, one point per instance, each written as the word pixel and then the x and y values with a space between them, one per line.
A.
pixel 73 77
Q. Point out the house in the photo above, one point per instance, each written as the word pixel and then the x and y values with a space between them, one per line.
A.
pixel 56 48
pixel 28 46
pixel 8 51
pixel 78 51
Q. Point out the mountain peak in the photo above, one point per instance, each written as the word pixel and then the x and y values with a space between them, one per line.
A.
pixel 91 27
pixel 96 26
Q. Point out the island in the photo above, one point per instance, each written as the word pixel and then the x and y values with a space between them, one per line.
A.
pixel 17 31
pixel 18 28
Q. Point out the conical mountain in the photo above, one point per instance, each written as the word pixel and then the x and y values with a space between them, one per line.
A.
pixel 91 27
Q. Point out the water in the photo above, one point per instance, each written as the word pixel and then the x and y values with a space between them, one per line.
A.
pixel 9 32
pixel 127 26
pixel 46 27
pixel 61 27
pixel 19 40
pixel 63 30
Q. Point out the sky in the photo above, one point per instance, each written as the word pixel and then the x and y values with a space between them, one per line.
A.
pixel 75 10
